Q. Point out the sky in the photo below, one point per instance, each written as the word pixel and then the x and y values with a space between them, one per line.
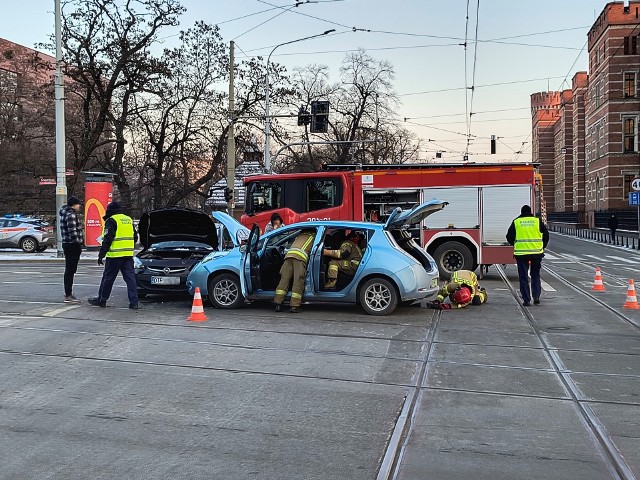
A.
pixel 523 47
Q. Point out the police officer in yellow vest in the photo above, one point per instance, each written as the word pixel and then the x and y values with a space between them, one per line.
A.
pixel 346 259
pixel 294 269
pixel 118 240
pixel 529 237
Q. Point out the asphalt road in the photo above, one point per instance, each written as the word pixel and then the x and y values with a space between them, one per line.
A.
pixel 485 392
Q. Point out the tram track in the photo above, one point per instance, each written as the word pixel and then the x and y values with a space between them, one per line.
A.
pixel 616 463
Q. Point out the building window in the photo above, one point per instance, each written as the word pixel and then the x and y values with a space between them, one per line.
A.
pixel 8 82
pixel 630 132
pixel 630 84
pixel 630 45
pixel 598 141
pixel 597 94
pixel 626 184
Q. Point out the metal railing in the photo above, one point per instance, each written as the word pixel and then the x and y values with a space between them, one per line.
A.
pixel 624 238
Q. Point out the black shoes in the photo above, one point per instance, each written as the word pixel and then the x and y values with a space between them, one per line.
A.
pixel 295 310
pixel 95 301
pixel 278 307
pixel 536 301
pixel 526 304
pixel 133 306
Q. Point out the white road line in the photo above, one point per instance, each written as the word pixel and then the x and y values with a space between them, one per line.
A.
pixel 25 301
pixel 66 308
pixel 74 284
pixel 625 260
pixel 595 257
pixel 550 256
pixel 546 287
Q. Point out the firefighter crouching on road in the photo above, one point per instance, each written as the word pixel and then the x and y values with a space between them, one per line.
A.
pixel 294 269
pixel 346 259
pixel 463 289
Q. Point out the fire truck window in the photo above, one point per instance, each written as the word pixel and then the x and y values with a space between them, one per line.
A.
pixel 265 196
pixel 321 194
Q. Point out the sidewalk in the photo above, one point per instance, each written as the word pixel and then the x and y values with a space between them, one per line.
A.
pixel 49 255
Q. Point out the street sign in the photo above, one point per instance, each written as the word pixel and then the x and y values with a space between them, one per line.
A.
pixel 634 198
pixel 635 184
pixel 47 181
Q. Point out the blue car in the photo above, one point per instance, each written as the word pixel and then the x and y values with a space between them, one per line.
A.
pixel 394 269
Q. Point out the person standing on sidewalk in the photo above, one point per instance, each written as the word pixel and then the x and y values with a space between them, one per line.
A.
pixel 72 242
pixel 118 241
pixel 612 223
pixel 529 237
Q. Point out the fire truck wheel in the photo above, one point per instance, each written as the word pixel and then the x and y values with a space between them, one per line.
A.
pixel 452 256
pixel 378 296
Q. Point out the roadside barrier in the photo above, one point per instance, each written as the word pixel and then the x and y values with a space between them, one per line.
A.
pixel 197 311
pixel 598 286
pixel 632 300
pixel 626 239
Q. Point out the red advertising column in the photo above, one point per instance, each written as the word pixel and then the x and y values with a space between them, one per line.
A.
pixel 97 196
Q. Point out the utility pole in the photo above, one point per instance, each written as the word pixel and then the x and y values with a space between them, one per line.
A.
pixel 231 138
pixel 61 181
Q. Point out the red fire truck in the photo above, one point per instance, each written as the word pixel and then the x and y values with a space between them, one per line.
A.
pixel 470 232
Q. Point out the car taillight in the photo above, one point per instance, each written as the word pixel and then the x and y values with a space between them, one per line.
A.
pixel 41 229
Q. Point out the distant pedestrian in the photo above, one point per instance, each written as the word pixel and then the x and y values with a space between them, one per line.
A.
pixel 275 223
pixel 119 238
pixel 529 237
pixel 72 242
pixel 612 223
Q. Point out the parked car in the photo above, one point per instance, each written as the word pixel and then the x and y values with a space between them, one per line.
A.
pixel 173 241
pixel 29 234
pixel 394 268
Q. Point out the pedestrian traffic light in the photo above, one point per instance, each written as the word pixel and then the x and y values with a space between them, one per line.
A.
pixel 493 144
pixel 228 194
pixel 319 116
pixel 303 116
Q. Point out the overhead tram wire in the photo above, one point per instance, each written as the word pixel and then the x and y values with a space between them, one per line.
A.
pixel 262 23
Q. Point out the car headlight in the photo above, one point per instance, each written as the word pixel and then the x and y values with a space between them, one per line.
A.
pixel 138 266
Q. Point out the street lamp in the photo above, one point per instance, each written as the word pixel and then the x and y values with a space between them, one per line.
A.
pixel 267 120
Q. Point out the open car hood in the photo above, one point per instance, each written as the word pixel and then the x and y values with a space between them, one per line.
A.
pixel 403 218
pixel 238 232
pixel 176 224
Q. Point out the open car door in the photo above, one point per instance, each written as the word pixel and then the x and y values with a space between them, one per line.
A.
pixel 250 278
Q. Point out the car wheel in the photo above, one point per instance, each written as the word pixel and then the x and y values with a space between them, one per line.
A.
pixel 41 248
pixel 452 256
pixel 378 296
pixel 225 291
pixel 28 244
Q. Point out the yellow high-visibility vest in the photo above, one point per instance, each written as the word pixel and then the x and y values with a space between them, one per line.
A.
pixel 123 243
pixel 528 236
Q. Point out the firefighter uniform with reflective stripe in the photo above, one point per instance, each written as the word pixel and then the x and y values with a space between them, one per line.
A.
pixel 467 279
pixel 346 260
pixel 294 269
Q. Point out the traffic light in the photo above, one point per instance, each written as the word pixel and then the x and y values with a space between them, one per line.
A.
pixel 228 194
pixel 319 116
pixel 303 116
pixel 493 144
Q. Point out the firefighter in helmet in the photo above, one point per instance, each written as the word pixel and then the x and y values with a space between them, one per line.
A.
pixel 346 259
pixel 462 289
pixel 294 269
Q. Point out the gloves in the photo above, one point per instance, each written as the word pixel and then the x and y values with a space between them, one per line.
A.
pixel 100 262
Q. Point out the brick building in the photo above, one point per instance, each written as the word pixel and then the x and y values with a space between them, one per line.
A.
pixel 586 138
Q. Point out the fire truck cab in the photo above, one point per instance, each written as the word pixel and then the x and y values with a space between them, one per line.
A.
pixel 483 199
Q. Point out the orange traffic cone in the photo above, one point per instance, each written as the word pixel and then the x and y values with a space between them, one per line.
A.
pixel 197 312
pixel 632 300
pixel 598 286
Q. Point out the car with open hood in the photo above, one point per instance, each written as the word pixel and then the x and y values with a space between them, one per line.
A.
pixel 394 269
pixel 173 241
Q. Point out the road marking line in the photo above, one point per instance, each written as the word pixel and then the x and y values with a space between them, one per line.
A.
pixel 546 287
pixel 75 284
pixel 625 260
pixel 25 301
pixel 66 308
pixel 550 256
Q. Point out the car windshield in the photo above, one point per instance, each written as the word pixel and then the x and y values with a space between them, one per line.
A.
pixel 181 245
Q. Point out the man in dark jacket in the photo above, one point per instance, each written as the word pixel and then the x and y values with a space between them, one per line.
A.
pixel 118 240
pixel 72 241
pixel 529 237
pixel 613 226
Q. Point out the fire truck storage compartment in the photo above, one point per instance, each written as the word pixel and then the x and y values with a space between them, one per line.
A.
pixel 500 205
pixel 462 211
pixel 378 205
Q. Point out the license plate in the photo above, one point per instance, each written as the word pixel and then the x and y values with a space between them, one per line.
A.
pixel 434 282
pixel 165 280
